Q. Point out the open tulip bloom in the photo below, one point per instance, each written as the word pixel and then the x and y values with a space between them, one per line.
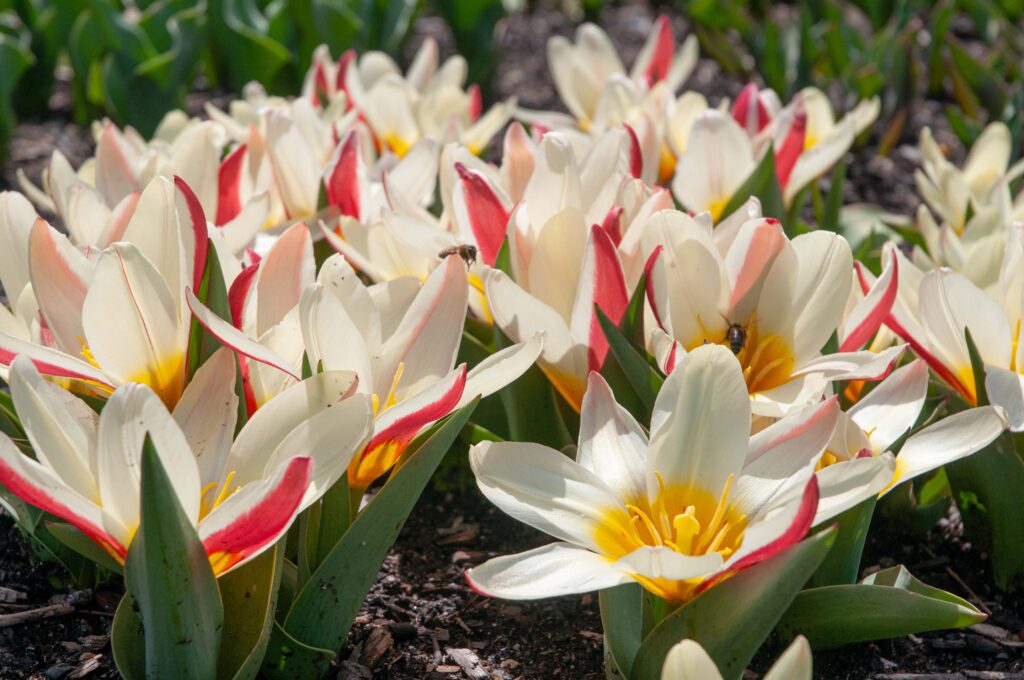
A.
pixel 241 492
pixel 784 297
pixel 678 513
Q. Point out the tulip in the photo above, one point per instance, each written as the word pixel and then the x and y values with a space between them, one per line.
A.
pixel 679 513
pixel 400 338
pixel 241 495
pixel 859 462
pixel 687 660
pixel 773 301
pixel 118 316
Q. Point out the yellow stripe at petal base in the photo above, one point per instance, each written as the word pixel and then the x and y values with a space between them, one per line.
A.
pixel 167 379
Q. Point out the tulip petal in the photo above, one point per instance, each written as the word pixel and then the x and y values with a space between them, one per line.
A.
pixel 346 181
pixel 59 280
pixel 49 361
pixel 612 444
pixel 61 428
pixel 869 314
pixel 541 487
pixel 501 369
pixel 478 207
pixel 284 273
pixel 38 485
pixel 847 483
pixel 601 285
pixel 783 455
pixel 1005 389
pixel 702 408
pixel 892 408
pixel 255 516
pixel 549 571
pixel 207 412
pixel 16 220
pixel 952 438
pixel 687 660
pixel 236 339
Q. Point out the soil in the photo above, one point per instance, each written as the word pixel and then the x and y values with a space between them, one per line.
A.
pixel 420 620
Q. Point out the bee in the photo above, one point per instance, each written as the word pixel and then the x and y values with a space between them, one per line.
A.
pixel 465 251
pixel 737 337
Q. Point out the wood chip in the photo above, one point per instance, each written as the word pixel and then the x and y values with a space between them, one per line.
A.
pixel 7 620
pixel 10 596
pixel 468 661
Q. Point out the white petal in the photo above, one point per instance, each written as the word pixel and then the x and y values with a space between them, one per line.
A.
pixel 501 369
pixel 845 484
pixel 893 406
pixel 548 571
pixel 207 412
pixel 612 444
pixel 952 438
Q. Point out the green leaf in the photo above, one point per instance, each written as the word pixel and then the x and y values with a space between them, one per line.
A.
pixel 987 487
pixel 249 594
pixel 532 406
pixel 733 618
pixel 622 621
pixel 213 293
pixel 644 378
pixel 889 603
pixel 834 200
pixel 169 576
pixel 287 658
pixel 842 564
pixel 325 607
pixel 763 184
pixel 83 545
pixel 127 640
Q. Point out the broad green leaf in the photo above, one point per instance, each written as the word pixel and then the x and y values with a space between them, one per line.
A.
pixel 325 607
pixel 732 619
pixel 249 594
pixel 842 564
pixel 169 576
pixel 287 658
pixel 886 604
pixel 531 406
pixel 987 487
pixel 127 640
pixel 621 619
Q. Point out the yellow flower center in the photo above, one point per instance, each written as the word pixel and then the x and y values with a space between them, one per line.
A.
pixel 767 360
pixel 683 518
pixel 397 144
pixel 717 206
pixel 206 506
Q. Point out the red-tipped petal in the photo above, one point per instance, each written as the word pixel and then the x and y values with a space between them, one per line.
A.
pixel 30 492
pixel 664 50
pixel 749 110
pixel 791 148
pixel 793 534
pixel 612 224
pixel 476 102
pixel 260 520
pixel 229 179
pixel 878 304
pixel 343 186
pixel 652 261
pixel 607 291
pixel 636 156
pixel 49 361
pixel 199 231
pixel 487 215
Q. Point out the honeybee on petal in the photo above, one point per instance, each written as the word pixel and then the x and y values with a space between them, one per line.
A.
pixel 466 251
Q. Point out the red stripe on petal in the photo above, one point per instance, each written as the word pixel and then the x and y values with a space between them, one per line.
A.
pixel 488 217
pixel 866 329
pixel 476 102
pixel 342 185
pixel 199 233
pixel 664 50
pixel 386 447
pixel 339 76
pixel 612 224
pixel 53 370
pixel 636 156
pixel 30 493
pixel 609 294
pixel 792 146
pixel 262 523
pixel 920 350
pixel 767 242
pixel 649 285
pixel 229 179
pixel 793 534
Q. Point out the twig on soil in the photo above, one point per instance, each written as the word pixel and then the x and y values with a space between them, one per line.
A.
pixel 970 592
pixel 7 620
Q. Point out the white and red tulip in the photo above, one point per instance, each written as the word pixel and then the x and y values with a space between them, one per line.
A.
pixel 241 493
pixel 696 503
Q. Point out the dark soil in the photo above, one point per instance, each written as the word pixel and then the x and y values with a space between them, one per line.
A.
pixel 420 619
